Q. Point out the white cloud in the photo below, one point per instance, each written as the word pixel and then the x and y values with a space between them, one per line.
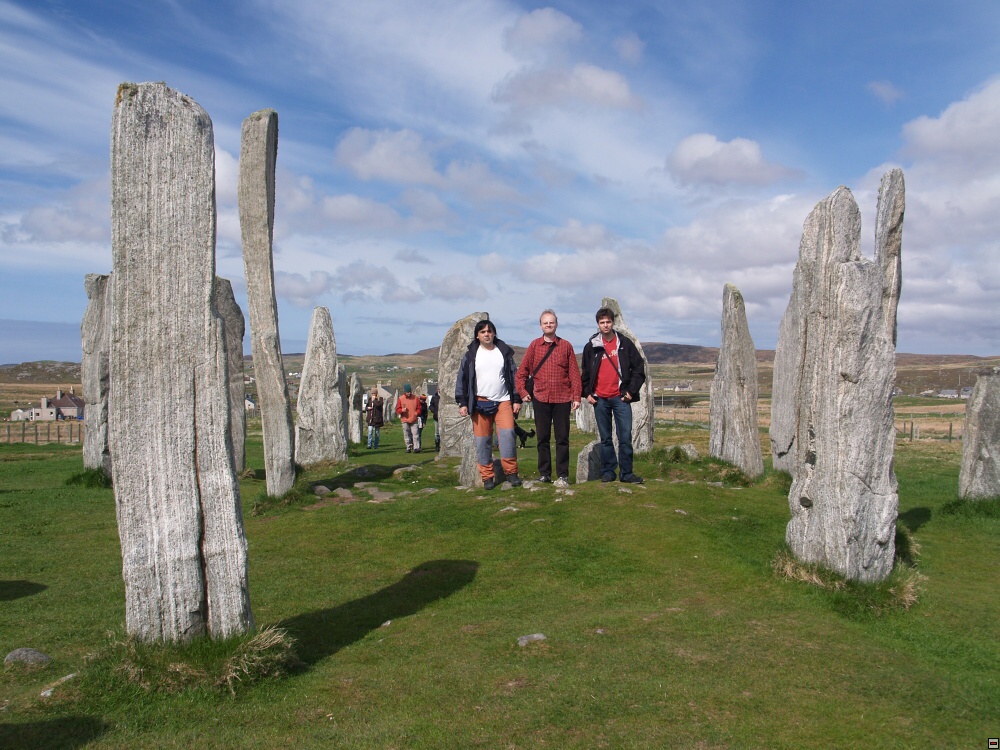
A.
pixel 582 85
pixel 395 156
pixel 493 263
pixel 409 255
pixel 453 287
pixel 630 48
pixel 365 281
pixel 357 211
pixel 78 215
pixel 885 92
pixel 577 235
pixel 299 290
pixel 541 32
pixel 704 159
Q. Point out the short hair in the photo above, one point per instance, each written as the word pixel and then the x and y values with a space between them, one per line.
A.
pixel 605 312
pixel 548 311
pixel 484 324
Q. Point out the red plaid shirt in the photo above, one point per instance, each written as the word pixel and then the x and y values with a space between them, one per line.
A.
pixel 558 380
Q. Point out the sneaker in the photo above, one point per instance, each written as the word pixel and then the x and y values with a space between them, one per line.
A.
pixel 408 450
pixel 514 479
pixel 632 479
pixel 608 478
pixel 489 484
pixel 561 483
pixel 416 450
pixel 545 478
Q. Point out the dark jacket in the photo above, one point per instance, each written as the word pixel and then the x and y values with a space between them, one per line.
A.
pixel 633 371
pixel 465 385
pixel 374 412
pixel 434 405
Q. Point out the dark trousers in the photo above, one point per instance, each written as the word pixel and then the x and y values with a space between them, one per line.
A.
pixel 552 418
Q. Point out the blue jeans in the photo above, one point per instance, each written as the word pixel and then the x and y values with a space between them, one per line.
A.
pixel 373 436
pixel 622 412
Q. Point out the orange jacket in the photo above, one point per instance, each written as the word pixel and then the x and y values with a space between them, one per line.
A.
pixel 408 408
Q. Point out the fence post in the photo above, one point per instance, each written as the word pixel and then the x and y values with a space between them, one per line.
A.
pixel 36 433
pixel 58 432
pixel 911 430
pixel 949 432
pixel 24 427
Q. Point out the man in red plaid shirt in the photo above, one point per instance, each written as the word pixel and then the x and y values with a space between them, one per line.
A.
pixel 551 363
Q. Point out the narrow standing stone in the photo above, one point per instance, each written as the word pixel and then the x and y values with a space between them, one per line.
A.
pixel 733 406
pixel 258 155
pixel 321 433
pixel 178 503
pixel 234 328
pixel 94 331
pixel 843 497
pixel 355 409
pixel 979 478
pixel 456 430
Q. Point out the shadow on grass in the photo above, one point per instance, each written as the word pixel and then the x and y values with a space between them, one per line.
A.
pixel 322 633
pixel 59 734
pixel 10 590
pixel 914 518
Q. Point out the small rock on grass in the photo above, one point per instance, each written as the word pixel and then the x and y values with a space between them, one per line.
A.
pixel 27 656
pixel 320 490
pixel 524 640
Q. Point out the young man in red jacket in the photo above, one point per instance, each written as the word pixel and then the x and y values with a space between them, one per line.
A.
pixel 408 409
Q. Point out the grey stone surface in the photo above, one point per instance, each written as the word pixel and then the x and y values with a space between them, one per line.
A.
pixel 321 430
pixel 733 406
pixel 258 156
pixel 234 326
pixel 355 409
pixel 27 656
pixel 585 418
pixel 843 497
pixel 689 450
pixel 588 462
pixel 456 430
pixel 468 469
pixel 643 414
pixel 95 330
pixel 178 503
pixel 524 640
pixel 979 477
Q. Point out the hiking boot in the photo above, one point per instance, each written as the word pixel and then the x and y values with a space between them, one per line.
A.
pixel 561 483
pixel 514 479
pixel 632 479
pixel 489 484
pixel 545 478
pixel 608 478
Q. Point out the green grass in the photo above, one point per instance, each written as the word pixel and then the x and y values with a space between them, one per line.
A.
pixel 665 623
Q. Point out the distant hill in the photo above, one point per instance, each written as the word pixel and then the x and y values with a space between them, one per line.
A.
pixel 45 371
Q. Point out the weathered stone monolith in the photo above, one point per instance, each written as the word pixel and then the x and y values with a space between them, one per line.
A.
pixel 321 431
pixel 643 411
pixel 588 462
pixel 585 418
pixel 94 332
pixel 733 406
pixel 843 497
pixel 234 328
pixel 178 504
pixel 355 408
pixel 258 155
pixel 979 478
pixel 455 429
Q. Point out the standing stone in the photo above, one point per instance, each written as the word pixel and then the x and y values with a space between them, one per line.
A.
pixel 355 409
pixel 643 410
pixel 588 462
pixel 234 326
pixel 843 497
pixel 979 478
pixel 94 332
pixel 321 431
pixel 468 469
pixel 456 430
pixel 733 406
pixel 585 421
pixel 258 155
pixel 178 504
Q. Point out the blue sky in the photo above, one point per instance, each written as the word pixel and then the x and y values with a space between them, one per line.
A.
pixel 438 158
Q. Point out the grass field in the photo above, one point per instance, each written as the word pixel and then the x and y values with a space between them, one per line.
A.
pixel 665 625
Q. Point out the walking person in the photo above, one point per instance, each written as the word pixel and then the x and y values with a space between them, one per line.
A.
pixel 421 416
pixel 550 379
pixel 485 391
pixel 613 373
pixel 374 414
pixel 435 400
pixel 408 409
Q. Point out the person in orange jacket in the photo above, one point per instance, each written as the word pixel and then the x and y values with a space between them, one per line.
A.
pixel 408 409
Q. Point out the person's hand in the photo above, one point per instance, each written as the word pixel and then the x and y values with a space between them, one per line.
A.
pixel 575 406
pixel 516 408
pixel 591 400
pixel 464 411
pixel 526 398
pixel 627 397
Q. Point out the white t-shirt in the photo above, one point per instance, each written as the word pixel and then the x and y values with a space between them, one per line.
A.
pixel 489 374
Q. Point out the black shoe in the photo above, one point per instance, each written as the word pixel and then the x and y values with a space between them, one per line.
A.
pixel 632 479
pixel 489 484
pixel 408 450
pixel 416 450
pixel 608 478
pixel 545 478
pixel 514 479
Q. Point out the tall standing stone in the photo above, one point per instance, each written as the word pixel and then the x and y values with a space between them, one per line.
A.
pixel 355 409
pixel 843 498
pixel 94 333
pixel 258 155
pixel 234 326
pixel 643 410
pixel 733 406
pixel 456 430
pixel 585 420
pixel 178 504
pixel 321 431
pixel 979 478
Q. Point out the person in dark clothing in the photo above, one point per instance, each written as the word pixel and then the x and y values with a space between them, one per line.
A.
pixel 374 414
pixel 613 373
pixel 433 407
